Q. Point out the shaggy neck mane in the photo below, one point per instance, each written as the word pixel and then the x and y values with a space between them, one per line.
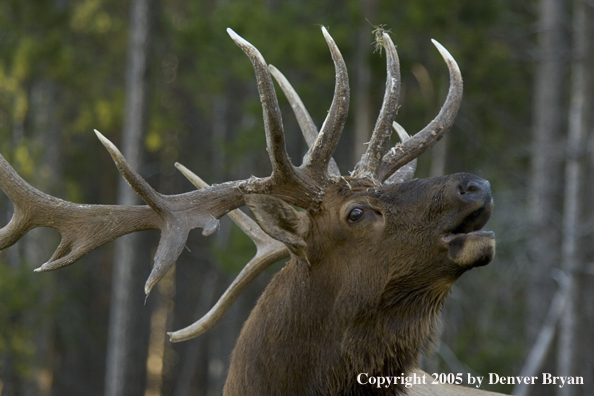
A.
pixel 386 340
pixel 380 338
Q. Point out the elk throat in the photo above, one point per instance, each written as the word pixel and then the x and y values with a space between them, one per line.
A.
pixel 387 340
pixel 379 338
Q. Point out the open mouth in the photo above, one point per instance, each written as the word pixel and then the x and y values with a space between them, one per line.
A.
pixel 467 245
pixel 474 221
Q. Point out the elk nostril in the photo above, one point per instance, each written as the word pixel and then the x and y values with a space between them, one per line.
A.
pixel 470 187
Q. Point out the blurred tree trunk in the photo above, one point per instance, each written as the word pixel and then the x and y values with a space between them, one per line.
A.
pixel 38 246
pixel 544 184
pixel 160 353
pixel 129 321
pixel 362 102
pixel 571 343
pixel 547 114
pixel 194 357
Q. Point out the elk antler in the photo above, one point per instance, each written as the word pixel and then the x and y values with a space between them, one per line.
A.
pixel 317 159
pixel 268 252
pixel 407 171
pixel 370 162
pixel 368 167
pixel 85 227
pixel 432 133
pixel 308 128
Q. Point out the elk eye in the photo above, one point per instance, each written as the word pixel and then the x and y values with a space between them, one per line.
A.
pixel 356 214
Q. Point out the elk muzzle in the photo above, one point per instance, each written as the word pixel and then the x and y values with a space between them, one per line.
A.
pixel 469 246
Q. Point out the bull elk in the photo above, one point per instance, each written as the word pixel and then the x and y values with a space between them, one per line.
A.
pixel 373 255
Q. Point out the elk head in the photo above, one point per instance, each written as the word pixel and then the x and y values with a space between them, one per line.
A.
pixel 373 254
pixel 368 274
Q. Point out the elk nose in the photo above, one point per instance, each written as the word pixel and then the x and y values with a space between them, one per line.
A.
pixel 474 189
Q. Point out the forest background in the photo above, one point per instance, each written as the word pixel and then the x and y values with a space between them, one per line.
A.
pixel 162 80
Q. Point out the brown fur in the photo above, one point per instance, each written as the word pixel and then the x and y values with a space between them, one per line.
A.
pixel 354 297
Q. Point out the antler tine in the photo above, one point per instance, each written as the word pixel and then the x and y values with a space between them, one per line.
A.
pixel 370 162
pixel 175 224
pixel 407 171
pixel 306 124
pixel 262 260
pixel 82 227
pixel 273 123
pixel 326 141
pixel 138 184
pixel 432 133
pixel 268 252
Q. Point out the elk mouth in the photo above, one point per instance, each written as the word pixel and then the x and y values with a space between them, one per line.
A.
pixel 473 221
pixel 467 244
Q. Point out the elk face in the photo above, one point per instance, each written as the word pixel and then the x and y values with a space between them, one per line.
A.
pixel 427 230
pixel 433 223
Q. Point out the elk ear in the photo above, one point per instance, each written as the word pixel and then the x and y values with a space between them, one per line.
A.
pixel 280 220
